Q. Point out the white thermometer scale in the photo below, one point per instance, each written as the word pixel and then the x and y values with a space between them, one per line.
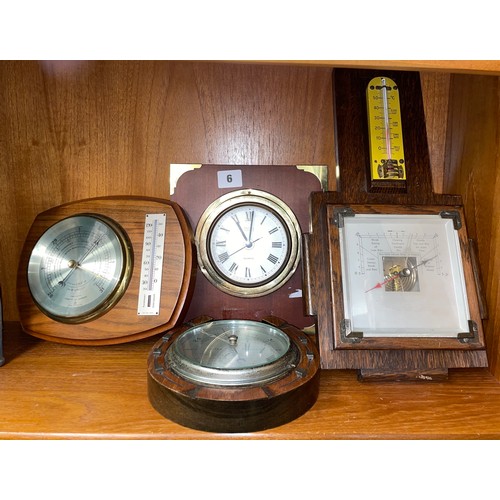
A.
pixel 152 265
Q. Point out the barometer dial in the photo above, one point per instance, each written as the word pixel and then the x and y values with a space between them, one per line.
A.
pixel 232 352
pixel 79 268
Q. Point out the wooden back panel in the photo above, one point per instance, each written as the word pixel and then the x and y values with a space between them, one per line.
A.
pixel 83 129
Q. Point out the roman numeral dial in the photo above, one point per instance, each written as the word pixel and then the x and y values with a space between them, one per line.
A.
pixel 248 243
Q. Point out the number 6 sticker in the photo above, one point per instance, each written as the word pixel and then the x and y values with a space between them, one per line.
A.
pixel 229 178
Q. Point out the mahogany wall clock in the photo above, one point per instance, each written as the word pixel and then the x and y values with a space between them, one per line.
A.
pixel 105 270
pixel 248 222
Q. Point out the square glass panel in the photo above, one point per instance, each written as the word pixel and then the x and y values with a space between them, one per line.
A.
pixel 402 276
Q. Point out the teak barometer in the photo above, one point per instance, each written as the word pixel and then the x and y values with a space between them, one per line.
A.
pixel 105 270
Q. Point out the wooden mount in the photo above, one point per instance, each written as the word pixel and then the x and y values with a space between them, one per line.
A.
pixel 234 408
pixel 198 188
pixel 381 375
pixel 323 296
pixel 121 323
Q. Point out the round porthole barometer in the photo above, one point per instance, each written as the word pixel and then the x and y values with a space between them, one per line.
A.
pixel 233 375
pixel 232 353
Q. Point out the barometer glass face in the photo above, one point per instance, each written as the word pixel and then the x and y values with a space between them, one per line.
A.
pixel 79 268
pixel 231 352
pixel 402 276
pixel 248 243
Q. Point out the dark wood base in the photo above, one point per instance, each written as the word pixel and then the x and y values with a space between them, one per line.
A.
pixel 233 416
pixel 230 409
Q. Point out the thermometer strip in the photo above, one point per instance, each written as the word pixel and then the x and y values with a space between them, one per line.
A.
pixel 152 265
pixel 385 130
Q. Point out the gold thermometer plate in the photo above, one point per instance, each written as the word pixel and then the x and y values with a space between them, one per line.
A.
pixel 387 161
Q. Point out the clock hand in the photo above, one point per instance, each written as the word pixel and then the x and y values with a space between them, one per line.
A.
pixel 405 272
pixel 250 242
pixel 248 245
pixel 237 222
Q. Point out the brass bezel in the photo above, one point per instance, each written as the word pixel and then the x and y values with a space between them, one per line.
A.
pixel 227 202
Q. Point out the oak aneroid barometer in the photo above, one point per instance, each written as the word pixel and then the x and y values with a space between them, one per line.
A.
pixel 390 265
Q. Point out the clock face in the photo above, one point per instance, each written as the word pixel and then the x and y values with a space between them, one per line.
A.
pixel 248 243
pixel 79 268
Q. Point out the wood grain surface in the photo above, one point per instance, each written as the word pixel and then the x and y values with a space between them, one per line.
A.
pixel 472 168
pixel 81 129
pixel 451 66
pixel 57 391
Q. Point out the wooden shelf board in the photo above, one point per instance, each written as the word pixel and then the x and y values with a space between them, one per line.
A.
pixel 491 67
pixel 56 391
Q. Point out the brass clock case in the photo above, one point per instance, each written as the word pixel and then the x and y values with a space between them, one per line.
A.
pixel 248 243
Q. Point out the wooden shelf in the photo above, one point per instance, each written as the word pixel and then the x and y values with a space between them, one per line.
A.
pixel 55 391
pixel 96 128
pixel 453 66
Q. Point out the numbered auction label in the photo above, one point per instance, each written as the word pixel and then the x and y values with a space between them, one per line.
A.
pixel 229 179
pixel 152 264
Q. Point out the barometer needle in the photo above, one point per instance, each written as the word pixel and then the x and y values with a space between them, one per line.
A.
pixel 401 274
pixel 76 264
